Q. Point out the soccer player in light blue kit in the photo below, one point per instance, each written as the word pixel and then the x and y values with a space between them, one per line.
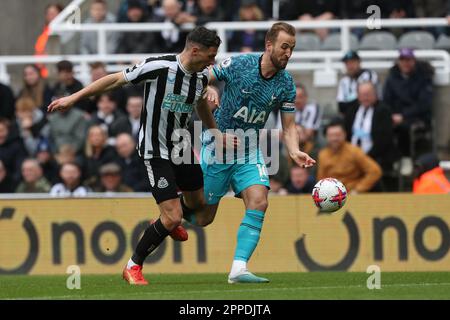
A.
pixel 254 85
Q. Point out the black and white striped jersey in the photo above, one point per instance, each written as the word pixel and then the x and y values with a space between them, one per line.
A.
pixel 170 96
pixel 348 86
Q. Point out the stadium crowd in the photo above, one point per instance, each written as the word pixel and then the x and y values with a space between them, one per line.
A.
pixel 91 148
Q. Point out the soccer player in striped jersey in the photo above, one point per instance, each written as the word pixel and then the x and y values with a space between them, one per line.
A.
pixel 173 86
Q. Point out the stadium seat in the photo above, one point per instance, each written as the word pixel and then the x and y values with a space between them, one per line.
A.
pixel 378 40
pixel 443 42
pixel 307 42
pixel 333 42
pixel 417 40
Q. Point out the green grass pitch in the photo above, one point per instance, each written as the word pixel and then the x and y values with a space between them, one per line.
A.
pixel 296 286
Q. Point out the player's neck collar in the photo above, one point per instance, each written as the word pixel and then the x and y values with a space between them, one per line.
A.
pixel 182 67
pixel 260 70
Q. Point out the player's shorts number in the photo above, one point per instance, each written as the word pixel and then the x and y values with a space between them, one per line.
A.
pixel 263 173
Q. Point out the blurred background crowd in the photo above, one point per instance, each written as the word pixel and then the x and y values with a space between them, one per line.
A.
pixel 380 135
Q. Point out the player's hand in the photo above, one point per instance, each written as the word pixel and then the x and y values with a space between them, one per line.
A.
pixel 303 159
pixel 211 95
pixel 231 141
pixel 61 104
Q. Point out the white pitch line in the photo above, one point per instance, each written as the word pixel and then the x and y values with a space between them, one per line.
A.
pixel 90 297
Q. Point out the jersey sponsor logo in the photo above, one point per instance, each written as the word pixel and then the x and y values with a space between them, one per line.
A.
pixel 162 183
pixel 176 103
pixel 250 117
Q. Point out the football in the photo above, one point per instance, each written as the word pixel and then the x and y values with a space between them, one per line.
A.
pixel 329 195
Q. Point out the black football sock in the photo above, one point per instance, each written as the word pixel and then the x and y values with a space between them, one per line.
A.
pixel 188 213
pixel 152 238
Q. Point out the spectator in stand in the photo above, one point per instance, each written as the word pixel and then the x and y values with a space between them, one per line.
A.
pixel 12 150
pixel 67 154
pixel 123 9
pixel 408 91
pixel 307 114
pixel 398 9
pixel 111 179
pixel 98 70
pixel 98 13
pixel 31 123
pixel 67 84
pixel 276 187
pixel 347 94
pixel 132 122
pixel 172 40
pixel 300 181
pixel 97 153
pixel 136 41
pixel 107 115
pixel 46 160
pixel 40 48
pixel 70 185
pixel 35 87
pixel 311 11
pixel 67 127
pixel 132 168
pixel 208 11
pixel 6 183
pixel 346 162
pixel 248 40
pixel 429 176
pixel 432 9
pixel 33 180
pixel 309 146
pixel 6 102
pixel 369 126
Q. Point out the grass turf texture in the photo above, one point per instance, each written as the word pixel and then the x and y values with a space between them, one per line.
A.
pixel 316 285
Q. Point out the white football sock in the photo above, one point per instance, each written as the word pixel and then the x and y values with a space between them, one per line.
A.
pixel 237 267
pixel 131 263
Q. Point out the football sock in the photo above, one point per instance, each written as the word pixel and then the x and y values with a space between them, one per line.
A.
pixel 152 238
pixel 248 234
pixel 237 266
pixel 188 213
pixel 131 264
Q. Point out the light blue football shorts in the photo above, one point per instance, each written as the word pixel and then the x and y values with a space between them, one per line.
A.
pixel 218 177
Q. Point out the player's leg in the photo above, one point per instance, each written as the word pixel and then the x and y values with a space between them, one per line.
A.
pixel 201 214
pixel 164 190
pixel 216 181
pixel 251 183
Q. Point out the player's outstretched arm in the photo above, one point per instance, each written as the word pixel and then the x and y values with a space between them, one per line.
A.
pixel 104 84
pixel 292 142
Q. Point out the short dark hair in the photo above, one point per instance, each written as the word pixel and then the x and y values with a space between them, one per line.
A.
pixel 6 122
pixel 335 122
pixel 203 36
pixel 273 32
pixel 64 65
